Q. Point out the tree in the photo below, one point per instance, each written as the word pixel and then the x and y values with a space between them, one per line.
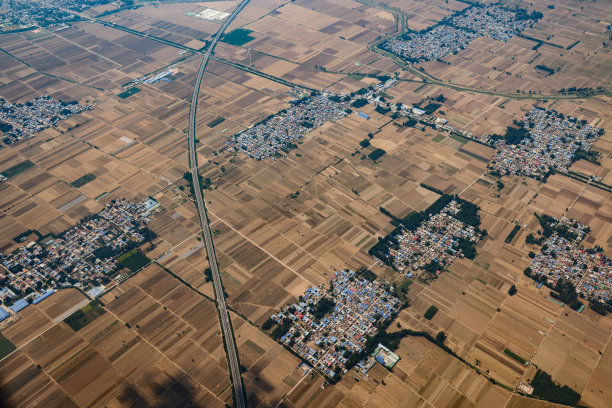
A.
pixel 512 291
pixel 440 337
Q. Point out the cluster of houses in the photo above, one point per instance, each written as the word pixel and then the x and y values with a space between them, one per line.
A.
pixel 328 341
pixel 561 258
pixel 83 256
pixel 431 45
pixel 551 143
pixel 279 131
pixel 456 33
pixel 32 13
pixel 22 120
pixel 435 240
pixel 493 22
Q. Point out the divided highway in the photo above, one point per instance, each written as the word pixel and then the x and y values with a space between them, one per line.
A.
pixel 210 249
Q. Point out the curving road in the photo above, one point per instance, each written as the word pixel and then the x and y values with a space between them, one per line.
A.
pixel 228 334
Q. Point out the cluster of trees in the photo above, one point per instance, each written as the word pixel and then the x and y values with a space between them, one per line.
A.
pixel 545 388
pixel 550 225
pixel 512 233
pixel 376 154
pixel 382 110
pixel 365 273
pixel 431 107
pixel 358 103
pixel 565 291
pixel 323 307
pixel 513 135
pixel 544 68
pixel 590 156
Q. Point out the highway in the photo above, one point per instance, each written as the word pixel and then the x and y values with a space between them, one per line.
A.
pixel 226 327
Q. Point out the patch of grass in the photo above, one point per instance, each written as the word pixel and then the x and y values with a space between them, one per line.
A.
pixel 6 347
pixel 17 169
pixel 238 37
pixel 84 316
pixel 81 181
pixel 515 356
pixel 128 92
pixel 438 138
pixel 404 285
pixel 133 260
pixel 458 138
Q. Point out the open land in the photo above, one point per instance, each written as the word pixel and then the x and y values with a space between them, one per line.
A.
pixel 285 225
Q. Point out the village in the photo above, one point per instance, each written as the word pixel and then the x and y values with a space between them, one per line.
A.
pixel 456 33
pixel 278 132
pixel 83 256
pixel 562 257
pixel 20 121
pixel 27 14
pixel 544 140
pixel 435 242
pixel 325 327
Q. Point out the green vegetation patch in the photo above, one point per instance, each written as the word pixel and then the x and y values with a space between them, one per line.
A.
pixel 431 312
pixel 134 260
pixel 438 138
pixel 6 347
pixel 81 181
pixel 128 92
pixel 515 356
pixel 376 154
pixel 545 388
pixel 512 234
pixel 238 37
pixel 17 169
pixel 216 121
pixel 458 138
pixel 366 274
pixel 323 307
pixel 84 316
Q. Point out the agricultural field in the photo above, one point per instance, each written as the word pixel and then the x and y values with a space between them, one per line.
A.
pixel 289 222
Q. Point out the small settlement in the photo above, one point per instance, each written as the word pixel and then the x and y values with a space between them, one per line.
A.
pixel 432 239
pixel 544 140
pixel 562 257
pixel 22 120
pixel 83 256
pixel 279 132
pixel 436 241
pixel 325 327
pixel 457 32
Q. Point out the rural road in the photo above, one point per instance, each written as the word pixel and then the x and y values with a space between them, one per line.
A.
pixel 228 334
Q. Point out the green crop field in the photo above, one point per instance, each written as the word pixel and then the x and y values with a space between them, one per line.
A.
pixel 81 181
pixel 238 37
pixel 128 92
pixel 134 260
pixel 84 316
pixel 431 312
pixel 6 347
pixel 515 356
pixel 18 169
